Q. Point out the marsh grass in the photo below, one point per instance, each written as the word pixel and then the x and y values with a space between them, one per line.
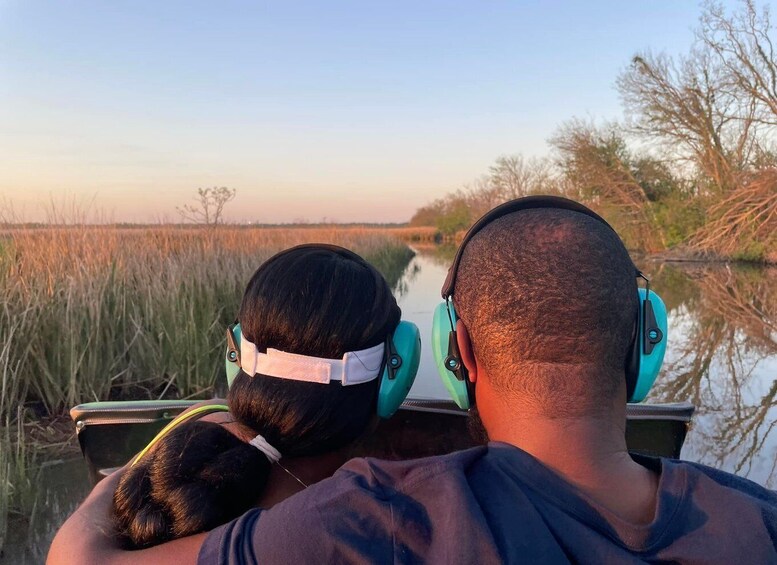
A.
pixel 18 475
pixel 5 484
pixel 96 313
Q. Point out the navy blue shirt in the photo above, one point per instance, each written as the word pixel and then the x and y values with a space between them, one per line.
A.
pixel 495 505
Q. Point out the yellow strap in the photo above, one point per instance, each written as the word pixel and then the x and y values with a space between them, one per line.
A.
pixel 201 410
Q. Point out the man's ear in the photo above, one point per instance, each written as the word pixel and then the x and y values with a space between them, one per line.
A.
pixel 465 350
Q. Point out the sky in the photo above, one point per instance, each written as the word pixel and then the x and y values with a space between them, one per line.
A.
pixel 336 111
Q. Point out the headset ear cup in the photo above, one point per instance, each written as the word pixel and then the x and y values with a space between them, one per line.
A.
pixel 445 351
pixel 650 343
pixel 397 379
pixel 232 356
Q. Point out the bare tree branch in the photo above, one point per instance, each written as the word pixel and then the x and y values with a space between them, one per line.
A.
pixel 209 207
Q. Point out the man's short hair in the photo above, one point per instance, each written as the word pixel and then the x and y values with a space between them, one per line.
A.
pixel 549 297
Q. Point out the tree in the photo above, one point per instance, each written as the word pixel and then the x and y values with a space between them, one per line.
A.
pixel 512 176
pixel 686 107
pixel 429 214
pixel 600 170
pixel 209 207
pixel 742 44
pixel 457 217
pixel 716 107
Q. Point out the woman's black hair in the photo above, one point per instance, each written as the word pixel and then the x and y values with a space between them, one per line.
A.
pixel 314 300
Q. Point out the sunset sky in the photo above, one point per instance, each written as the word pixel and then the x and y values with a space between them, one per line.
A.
pixel 349 111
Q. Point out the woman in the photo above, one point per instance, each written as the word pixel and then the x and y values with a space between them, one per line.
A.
pixel 303 311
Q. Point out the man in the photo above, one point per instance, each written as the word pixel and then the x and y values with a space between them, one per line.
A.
pixel 547 301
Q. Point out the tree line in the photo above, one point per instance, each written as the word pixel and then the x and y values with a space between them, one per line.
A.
pixel 692 164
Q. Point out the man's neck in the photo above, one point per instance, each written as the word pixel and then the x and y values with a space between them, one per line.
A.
pixel 589 453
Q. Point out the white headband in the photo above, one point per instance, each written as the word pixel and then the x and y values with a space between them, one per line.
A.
pixel 354 368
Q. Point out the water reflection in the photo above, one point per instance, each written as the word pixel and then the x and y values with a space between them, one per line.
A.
pixel 393 265
pixel 722 356
pixel 439 255
pixel 406 279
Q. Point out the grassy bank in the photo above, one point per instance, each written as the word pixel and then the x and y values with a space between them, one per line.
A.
pixel 95 313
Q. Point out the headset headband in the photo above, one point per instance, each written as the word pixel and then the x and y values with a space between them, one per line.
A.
pixel 525 203
pixel 355 367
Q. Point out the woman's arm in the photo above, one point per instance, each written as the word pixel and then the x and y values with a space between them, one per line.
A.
pixel 87 536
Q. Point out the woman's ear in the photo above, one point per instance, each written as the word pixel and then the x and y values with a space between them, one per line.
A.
pixel 465 350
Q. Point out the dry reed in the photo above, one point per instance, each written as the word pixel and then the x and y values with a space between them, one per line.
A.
pixel 89 313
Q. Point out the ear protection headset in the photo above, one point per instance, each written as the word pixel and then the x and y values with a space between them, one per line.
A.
pixel 402 352
pixel 646 353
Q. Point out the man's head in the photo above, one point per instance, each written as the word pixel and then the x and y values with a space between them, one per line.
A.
pixel 549 299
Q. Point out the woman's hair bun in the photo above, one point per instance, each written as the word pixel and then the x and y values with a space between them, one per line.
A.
pixel 199 476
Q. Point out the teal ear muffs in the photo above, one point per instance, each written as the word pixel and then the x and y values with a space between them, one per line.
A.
pixel 403 354
pixel 647 350
pixel 447 358
pixel 646 353
pixel 234 335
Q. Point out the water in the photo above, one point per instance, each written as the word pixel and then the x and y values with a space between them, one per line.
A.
pixel 60 487
pixel 721 356
pixel 418 294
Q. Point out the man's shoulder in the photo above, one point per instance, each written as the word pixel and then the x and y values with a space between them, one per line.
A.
pixel 387 476
pixel 725 478
pixel 726 481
